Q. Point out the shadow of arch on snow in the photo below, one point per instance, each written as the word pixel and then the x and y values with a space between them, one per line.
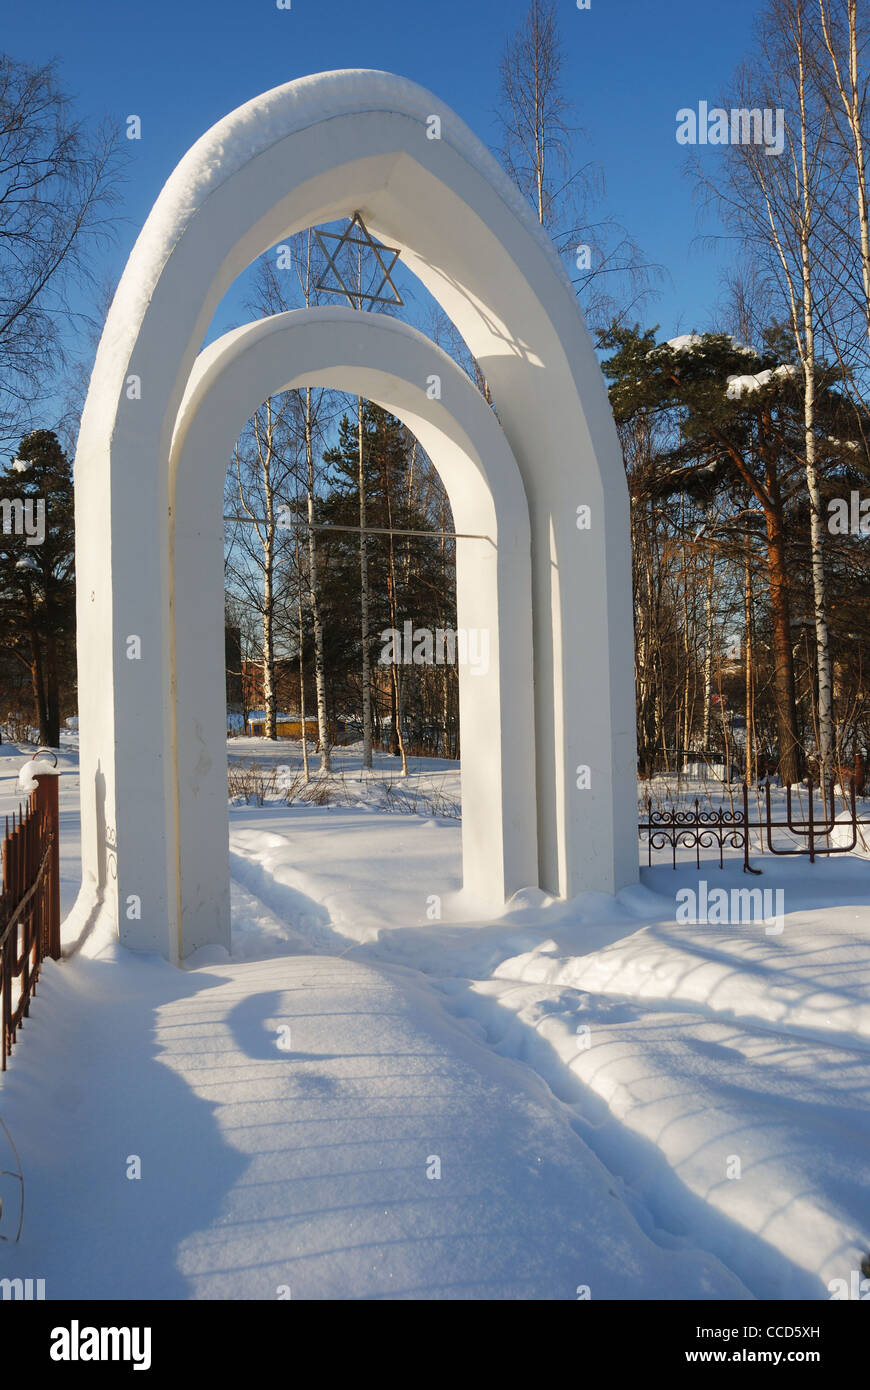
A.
pixel 92 1231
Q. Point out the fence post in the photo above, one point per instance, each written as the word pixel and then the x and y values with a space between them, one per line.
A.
pixel 745 826
pixel 811 823
pixel 46 802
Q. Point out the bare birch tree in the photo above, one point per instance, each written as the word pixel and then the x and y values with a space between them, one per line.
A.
pixel 847 89
pixel 779 203
pixel 265 463
pixel 58 183
pixel 539 152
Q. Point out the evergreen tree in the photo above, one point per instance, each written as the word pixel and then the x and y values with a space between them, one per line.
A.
pixel 37 583
pixel 408 579
pixel 729 425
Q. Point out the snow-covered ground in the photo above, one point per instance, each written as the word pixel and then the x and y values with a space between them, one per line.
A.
pixel 615 1099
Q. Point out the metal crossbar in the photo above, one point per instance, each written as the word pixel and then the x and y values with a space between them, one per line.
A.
pixel 363 530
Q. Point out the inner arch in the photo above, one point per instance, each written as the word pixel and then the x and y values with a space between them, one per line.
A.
pixel 391 364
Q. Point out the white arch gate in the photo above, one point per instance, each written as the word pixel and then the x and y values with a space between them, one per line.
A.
pixel 306 153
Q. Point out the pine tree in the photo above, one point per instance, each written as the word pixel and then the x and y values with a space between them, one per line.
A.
pixel 407 577
pixel 37 583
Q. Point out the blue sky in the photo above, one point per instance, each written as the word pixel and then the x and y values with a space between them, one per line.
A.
pixel 630 65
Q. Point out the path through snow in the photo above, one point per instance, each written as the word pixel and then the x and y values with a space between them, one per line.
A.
pixel 274 1160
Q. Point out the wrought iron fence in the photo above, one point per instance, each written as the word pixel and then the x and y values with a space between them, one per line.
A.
pixel 698 829
pixel 29 906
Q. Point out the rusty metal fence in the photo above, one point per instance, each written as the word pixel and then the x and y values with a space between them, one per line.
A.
pixel 29 906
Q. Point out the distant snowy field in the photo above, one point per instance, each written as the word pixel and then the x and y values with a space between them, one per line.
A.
pixel 616 1100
